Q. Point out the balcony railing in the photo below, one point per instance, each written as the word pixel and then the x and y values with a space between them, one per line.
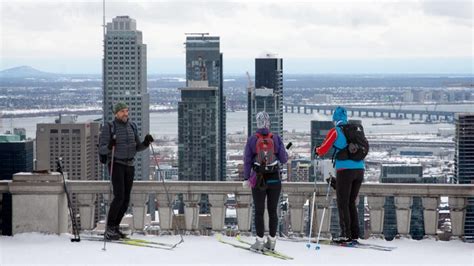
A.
pixel 39 203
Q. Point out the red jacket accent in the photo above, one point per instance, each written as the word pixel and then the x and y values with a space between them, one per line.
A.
pixel 327 143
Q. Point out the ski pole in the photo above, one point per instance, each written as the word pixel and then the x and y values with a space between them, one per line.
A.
pixel 308 245
pixel 110 190
pixel 280 199
pixel 75 229
pixel 167 194
pixel 322 217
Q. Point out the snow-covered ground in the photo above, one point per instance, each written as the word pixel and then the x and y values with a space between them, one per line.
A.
pixel 38 249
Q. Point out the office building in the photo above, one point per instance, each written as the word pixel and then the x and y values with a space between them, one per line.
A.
pixel 125 80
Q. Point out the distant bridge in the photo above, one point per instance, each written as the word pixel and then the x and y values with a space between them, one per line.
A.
pixel 371 112
pixel 410 143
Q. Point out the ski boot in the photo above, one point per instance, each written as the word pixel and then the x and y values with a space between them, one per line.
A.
pixel 111 234
pixel 258 245
pixel 117 230
pixel 271 242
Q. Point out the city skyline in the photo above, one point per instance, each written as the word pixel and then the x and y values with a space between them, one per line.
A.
pixel 313 37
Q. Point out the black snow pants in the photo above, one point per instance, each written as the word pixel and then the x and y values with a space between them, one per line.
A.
pixel 348 182
pixel 122 181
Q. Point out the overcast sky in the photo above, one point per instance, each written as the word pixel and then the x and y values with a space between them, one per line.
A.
pixel 332 36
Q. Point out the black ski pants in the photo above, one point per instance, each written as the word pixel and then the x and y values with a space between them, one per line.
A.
pixel 122 182
pixel 272 193
pixel 348 182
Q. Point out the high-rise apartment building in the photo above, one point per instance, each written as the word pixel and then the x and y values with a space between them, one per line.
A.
pixel 198 131
pixel 204 63
pixel 125 80
pixel 76 143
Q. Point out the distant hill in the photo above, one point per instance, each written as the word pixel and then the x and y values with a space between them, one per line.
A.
pixel 25 72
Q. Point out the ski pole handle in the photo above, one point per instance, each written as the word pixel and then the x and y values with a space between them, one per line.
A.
pixel 289 145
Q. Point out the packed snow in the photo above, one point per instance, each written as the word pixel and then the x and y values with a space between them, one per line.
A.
pixel 40 249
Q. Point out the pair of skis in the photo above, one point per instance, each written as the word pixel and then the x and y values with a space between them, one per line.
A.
pixel 358 245
pixel 351 245
pixel 242 244
pixel 135 242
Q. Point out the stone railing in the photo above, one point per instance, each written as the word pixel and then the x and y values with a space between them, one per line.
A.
pixel 39 203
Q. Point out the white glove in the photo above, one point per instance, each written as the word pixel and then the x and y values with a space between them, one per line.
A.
pixel 246 184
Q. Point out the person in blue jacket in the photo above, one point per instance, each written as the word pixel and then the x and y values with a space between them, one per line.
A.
pixel 349 177
pixel 271 186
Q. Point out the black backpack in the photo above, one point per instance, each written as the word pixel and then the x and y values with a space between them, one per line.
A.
pixel 357 144
pixel 103 158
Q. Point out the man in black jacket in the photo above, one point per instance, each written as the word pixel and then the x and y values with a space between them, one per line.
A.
pixel 121 134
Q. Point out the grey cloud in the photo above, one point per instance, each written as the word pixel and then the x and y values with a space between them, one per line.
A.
pixel 48 16
pixel 457 10
pixel 37 16
pixel 318 14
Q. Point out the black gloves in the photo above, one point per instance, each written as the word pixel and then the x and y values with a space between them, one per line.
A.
pixel 332 180
pixel 112 143
pixel 316 155
pixel 148 139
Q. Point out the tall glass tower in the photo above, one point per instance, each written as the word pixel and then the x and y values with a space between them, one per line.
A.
pixel 269 74
pixel 204 63
pixel 125 80
pixel 464 164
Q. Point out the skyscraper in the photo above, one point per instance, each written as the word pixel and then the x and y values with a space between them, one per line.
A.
pixel 464 164
pixel 125 80
pixel 204 63
pixel 269 74
pixel 16 155
pixel 198 130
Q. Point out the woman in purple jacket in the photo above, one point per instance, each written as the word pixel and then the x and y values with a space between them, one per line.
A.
pixel 271 186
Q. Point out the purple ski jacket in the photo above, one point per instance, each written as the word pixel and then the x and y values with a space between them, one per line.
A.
pixel 250 151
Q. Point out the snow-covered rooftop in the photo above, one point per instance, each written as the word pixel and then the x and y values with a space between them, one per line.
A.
pixel 39 249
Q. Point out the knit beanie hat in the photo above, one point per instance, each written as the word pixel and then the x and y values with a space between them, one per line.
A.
pixel 263 120
pixel 119 106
